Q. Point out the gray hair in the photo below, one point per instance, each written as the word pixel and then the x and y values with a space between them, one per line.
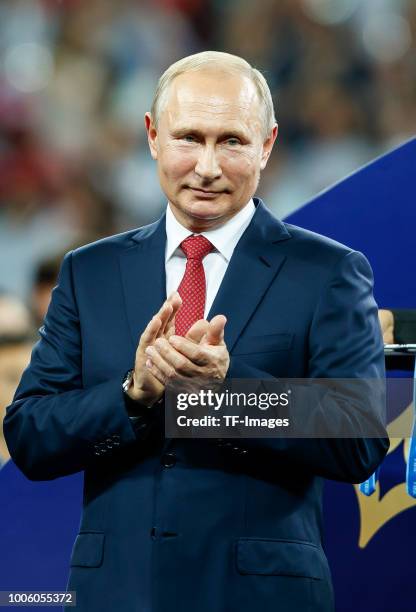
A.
pixel 225 62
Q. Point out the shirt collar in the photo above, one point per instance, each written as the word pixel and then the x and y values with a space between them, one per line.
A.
pixel 224 238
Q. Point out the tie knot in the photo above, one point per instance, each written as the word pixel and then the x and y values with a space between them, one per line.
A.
pixel 196 247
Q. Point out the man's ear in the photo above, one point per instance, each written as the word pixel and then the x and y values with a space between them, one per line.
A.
pixel 268 146
pixel 151 134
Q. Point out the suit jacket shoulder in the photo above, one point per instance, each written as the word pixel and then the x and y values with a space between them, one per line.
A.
pixel 320 247
pixel 116 242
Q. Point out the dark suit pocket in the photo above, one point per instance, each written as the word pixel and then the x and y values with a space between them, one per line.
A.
pixel 88 549
pixel 263 344
pixel 280 558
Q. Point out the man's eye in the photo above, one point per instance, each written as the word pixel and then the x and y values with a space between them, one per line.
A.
pixel 189 138
pixel 233 141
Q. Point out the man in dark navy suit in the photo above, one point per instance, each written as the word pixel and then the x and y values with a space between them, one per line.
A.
pixel 198 525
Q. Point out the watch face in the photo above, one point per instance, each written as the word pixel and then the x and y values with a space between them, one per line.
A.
pixel 127 381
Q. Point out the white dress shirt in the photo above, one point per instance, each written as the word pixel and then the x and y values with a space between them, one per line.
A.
pixel 224 239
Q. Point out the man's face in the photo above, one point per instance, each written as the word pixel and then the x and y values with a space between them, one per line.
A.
pixel 209 146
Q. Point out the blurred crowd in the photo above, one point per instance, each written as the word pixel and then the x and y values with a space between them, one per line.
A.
pixel 76 78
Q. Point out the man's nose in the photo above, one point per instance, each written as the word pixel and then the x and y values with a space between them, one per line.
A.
pixel 207 166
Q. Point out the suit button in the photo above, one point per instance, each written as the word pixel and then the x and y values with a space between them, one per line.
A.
pixel 168 460
pixel 115 439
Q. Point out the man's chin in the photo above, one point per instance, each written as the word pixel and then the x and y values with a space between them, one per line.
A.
pixel 206 208
pixel 206 214
pixel 198 215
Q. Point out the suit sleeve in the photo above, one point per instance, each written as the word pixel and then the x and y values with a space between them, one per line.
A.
pixel 55 425
pixel 344 342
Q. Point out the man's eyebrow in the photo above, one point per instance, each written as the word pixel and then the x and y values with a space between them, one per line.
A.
pixel 183 131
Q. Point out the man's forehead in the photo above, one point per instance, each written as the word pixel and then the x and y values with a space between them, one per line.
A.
pixel 204 101
pixel 212 91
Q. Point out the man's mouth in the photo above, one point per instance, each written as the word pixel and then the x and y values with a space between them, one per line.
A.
pixel 206 192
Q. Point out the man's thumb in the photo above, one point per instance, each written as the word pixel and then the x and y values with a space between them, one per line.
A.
pixel 215 332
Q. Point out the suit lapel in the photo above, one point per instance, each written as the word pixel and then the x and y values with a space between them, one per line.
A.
pixel 143 275
pixel 255 263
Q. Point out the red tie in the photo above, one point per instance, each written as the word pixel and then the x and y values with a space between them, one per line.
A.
pixel 193 287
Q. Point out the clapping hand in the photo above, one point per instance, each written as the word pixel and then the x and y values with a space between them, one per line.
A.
pixel 146 388
pixel 201 355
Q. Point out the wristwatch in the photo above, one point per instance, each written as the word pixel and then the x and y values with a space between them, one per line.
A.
pixel 127 381
pixel 130 402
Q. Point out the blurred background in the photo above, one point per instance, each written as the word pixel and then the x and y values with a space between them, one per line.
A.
pixel 77 77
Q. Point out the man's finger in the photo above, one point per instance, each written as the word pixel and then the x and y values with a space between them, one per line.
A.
pixel 215 332
pixel 159 362
pixel 193 352
pixel 197 331
pixel 164 314
pixel 155 372
pixel 175 299
pixel 174 361
pixel 175 302
pixel 150 333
